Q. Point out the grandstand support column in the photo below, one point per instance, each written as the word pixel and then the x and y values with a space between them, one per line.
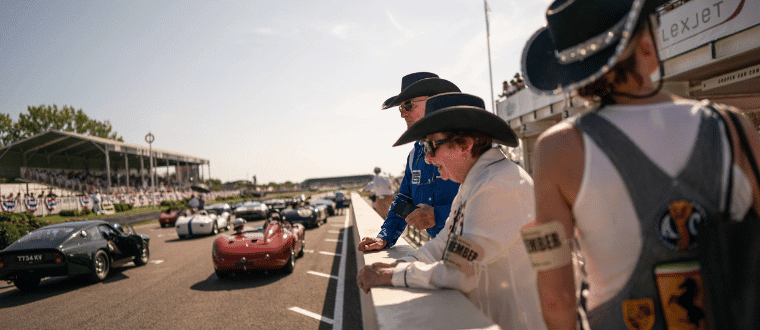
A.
pixel 126 164
pixel 108 170
pixel 142 168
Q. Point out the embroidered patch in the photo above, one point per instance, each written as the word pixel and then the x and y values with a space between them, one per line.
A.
pixel 682 295
pixel 416 176
pixel 639 313
pixel 461 253
pixel 677 227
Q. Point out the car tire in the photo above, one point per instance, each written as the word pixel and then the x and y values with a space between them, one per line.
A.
pixel 214 229
pixel 291 265
pixel 163 225
pixel 220 274
pixel 101 266
pixel 27 284
pixel 182 236
pixel 144 256
pixel 300 252
pixel 229 225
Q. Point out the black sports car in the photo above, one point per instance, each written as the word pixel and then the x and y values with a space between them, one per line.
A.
pixel 72 248
pixel 308 215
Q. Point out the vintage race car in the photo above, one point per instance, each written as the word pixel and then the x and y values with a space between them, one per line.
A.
pixel 272 246
pixel 169 217
pixel 309 215
pixel 326 202
pixel 252 210
pixel 276 204
pixel 202 222
pixel 89 248
pixel 223 210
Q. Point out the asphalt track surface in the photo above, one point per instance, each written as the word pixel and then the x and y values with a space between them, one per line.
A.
pixel 178 289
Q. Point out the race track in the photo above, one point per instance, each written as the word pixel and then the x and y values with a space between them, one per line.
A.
pixel 178 289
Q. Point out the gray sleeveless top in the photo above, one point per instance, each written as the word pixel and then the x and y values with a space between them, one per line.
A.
pixel 654 193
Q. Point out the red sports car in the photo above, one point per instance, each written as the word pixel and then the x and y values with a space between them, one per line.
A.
pixel 169 217
pixel 273 246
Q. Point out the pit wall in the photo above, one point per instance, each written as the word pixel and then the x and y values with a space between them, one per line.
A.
pixel 406 308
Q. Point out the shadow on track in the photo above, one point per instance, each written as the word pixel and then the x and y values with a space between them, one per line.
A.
pixel 53 286
pixel 239 281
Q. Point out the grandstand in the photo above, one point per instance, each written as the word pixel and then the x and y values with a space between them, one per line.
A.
pixel 82 163
pixel 336 182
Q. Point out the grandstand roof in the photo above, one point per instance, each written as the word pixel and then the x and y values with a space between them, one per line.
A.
pixel 70 144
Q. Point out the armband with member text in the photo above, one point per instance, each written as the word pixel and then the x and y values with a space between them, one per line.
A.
pixel 547 245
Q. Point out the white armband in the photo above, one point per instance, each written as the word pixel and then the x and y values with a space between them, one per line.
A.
pixel 547 245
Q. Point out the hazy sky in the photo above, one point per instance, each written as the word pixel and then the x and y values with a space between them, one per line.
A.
pixel 284 90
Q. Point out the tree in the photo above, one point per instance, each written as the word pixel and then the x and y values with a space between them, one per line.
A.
pixel 43 118
pixel 8 131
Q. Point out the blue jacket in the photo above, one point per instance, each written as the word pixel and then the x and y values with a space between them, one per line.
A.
pixel 422 184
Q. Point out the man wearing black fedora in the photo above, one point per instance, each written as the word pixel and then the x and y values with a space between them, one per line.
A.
pixel 424 199
pixel 479 251
pixel 636 180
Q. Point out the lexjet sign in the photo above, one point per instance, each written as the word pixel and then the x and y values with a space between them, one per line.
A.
pixel 699 22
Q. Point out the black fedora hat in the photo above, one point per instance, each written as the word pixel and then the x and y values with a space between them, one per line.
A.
pixel 420 84
pixel 583 40
pixel 459 112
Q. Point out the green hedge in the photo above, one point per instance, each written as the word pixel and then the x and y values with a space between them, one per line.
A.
pixel 175 204
pixel 121 207
pixel 15 225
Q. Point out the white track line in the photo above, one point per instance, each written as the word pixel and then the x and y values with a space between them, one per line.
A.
pixel 323 275
pixel 334 231
pixel 330 253
pixel 313 315
pixel 308 251
pixel 333 240
pixel 338 225
pixel 338 311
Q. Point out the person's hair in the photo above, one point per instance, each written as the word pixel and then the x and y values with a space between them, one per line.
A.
pixel 480 142
pixel 603 88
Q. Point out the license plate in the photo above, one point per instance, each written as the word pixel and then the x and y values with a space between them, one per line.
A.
pixel 244 263
pixel 29 258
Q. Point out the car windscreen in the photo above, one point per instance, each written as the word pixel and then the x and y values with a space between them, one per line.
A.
pixel 215 211
pixel 55 234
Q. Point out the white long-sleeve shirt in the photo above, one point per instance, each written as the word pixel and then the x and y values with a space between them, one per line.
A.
pixel 494 201
pixel 380 185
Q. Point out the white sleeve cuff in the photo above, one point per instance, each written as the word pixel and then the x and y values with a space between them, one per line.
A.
pixel 399 275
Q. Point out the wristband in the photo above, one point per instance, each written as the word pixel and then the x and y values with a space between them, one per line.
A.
pixel 547 245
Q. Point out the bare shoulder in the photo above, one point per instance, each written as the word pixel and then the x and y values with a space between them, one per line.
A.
pixel 560 142
pixel 558 163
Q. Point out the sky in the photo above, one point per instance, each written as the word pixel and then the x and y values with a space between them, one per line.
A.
pixel 284 90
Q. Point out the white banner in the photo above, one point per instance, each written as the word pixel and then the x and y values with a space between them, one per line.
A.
pixel 699 22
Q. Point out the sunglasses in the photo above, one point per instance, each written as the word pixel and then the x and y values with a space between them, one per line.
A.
pixel 432 146
pixel 408 106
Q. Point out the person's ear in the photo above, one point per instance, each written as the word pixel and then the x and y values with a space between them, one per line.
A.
pixel 469 142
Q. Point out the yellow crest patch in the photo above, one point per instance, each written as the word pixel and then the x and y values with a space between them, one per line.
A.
pixel 639 313
pixel 682 295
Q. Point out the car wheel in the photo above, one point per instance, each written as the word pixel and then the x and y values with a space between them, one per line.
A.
pixel 101 265
pixel 27 284
pixel 214 229
pixel 291 265
pixel 182 236
pixel 220 274
pixel 229 225
pixel 163 225
pixel 144 256
pixel 300 252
